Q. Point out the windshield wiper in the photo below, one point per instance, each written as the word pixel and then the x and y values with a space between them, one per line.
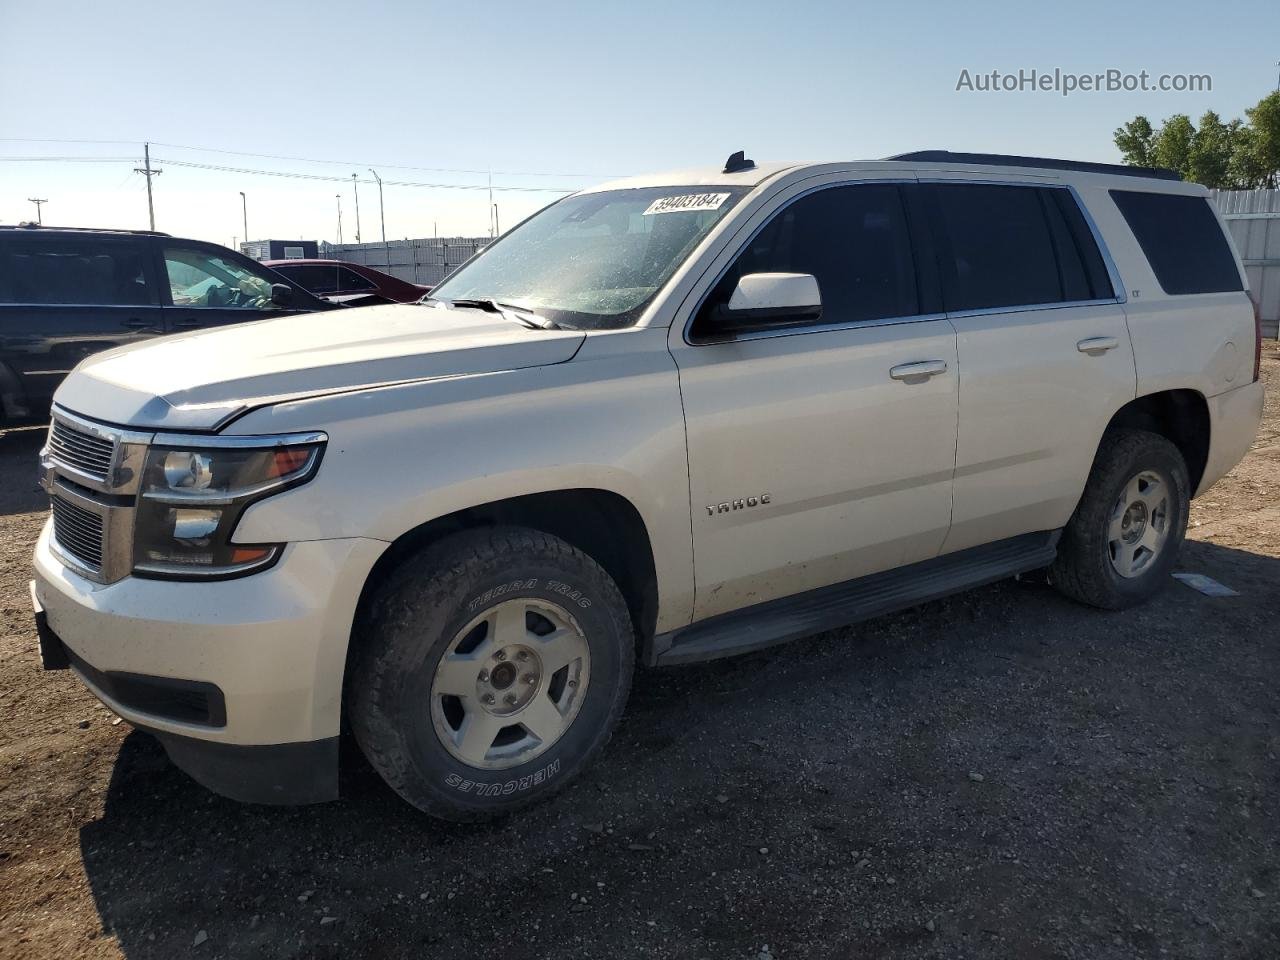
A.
pixel 507 311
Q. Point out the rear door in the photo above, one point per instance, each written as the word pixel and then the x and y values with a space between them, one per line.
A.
pixel 1044 352
pixel 66 296
pixel 210 286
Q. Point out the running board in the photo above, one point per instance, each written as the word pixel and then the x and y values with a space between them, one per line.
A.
pixel 802 615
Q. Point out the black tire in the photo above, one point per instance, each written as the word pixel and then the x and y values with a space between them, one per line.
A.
pixel 413 620
pixel 1084 570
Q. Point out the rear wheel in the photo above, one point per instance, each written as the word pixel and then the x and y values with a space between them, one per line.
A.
pixel 1122 542
pixel 492 669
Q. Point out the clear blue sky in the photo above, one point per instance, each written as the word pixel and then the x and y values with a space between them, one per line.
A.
pixel 545 89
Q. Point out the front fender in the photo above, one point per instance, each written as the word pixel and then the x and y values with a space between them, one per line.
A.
pixel 402 456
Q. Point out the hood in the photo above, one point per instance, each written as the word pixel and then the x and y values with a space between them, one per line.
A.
pixel 198 380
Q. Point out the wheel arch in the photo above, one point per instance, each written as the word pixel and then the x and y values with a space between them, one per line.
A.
pixel 1180 416
pixel 601 523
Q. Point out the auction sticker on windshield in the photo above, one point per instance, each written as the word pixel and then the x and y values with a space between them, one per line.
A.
pixel 687 202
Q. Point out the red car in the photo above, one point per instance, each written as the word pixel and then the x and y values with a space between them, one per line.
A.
pixel 351 284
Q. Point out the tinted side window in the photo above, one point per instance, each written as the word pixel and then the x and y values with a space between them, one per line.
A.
pixel 854 240
pixel 351 282
pixel 1182 241
pixel 1072 277
pixel 1086 246
pixel 311 276
pixel 91 270
pixel 1001 250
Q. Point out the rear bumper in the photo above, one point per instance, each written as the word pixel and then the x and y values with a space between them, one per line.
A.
pixel 1233 423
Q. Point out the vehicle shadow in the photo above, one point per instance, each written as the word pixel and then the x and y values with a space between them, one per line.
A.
pixel 20 457
pixel 976 754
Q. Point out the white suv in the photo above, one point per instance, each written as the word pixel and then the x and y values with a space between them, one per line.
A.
pixel 671 418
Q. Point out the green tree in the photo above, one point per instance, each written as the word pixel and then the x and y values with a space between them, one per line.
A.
pixel 1264 139
pixel 1172 144
pixel 1209 161
pixel 1247 170
pixel 1236 155
pixel 1134 141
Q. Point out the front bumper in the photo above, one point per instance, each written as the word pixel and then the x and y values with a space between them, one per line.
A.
pixel 264 654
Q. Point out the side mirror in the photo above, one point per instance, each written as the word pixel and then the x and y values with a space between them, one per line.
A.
pixel 282 295
pixel 774 298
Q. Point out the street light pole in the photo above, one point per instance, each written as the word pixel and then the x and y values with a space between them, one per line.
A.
pixel 244 204
pixel 338 196
pixel 39 215
pixel 355 185
pixel 382 217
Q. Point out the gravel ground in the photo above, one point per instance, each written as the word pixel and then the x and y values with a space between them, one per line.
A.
pixel 1000 774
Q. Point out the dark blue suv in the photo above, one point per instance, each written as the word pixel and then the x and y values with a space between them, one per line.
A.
pixel 67 293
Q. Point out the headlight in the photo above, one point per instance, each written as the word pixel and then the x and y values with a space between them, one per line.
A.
pixel 191 499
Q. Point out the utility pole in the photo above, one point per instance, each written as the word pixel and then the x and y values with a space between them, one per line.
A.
pixel 491 208
pixel 147 172
pixel 244 206
pixel 382 217
pixel 355 185
pixel 339 198
pixel 497 228
pixel 39 216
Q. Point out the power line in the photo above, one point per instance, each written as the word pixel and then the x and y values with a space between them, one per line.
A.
pixel 295 175
pixel 72 159
pixel 337 163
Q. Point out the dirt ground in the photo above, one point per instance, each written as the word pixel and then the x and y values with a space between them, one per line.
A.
pixel 999 774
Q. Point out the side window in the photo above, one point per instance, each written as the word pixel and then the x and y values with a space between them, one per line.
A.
pixel 94 271
pixel 854 240
pixel 351 282
pixel 311 276
pixel 202 278
pixel 1095 268
pixel 1001 249
pixel 1072 278
pixel 1182 241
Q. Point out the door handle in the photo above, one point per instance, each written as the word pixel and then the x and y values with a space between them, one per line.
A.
pixel 1097 346
pixel 918 372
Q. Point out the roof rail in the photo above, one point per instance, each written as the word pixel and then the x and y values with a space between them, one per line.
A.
pixel 1008 160
pixel 28 225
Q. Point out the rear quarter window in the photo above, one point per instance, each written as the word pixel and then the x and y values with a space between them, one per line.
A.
pixel 81 270
pixel 1182 241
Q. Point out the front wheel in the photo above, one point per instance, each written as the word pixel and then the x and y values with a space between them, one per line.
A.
pixel 493 668
pixel 1122 542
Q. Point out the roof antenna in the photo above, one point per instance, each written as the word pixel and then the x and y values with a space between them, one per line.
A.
pixel 738 162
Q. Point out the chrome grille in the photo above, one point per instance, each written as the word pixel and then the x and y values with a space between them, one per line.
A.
pixel 81 451
pixel 78 532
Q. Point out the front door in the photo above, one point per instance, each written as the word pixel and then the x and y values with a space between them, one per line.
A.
pixel 823 451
